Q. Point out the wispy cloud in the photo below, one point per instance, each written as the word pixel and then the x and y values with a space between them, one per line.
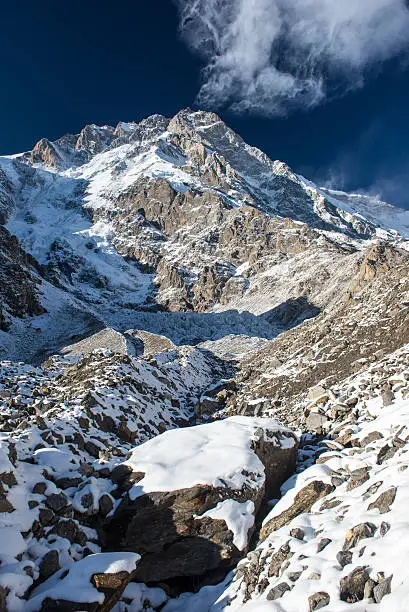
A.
pixel 270 56
pixel 393 189
pixel 359 168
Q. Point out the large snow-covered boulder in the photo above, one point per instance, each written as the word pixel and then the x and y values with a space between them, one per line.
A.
pixel 191 496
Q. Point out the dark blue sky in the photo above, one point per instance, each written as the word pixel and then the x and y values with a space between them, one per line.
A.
pixel 97 61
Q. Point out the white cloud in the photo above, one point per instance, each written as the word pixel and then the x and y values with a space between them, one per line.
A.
pixel 269 56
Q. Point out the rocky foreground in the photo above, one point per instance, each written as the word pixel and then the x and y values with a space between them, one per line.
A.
pixel 182 508
pixel 73 484
pixel 204 379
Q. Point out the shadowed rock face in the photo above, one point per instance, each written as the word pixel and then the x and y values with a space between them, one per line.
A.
pixel 19 280
pixel 6 197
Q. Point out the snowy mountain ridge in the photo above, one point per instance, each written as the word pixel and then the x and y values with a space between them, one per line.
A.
pixel 71 203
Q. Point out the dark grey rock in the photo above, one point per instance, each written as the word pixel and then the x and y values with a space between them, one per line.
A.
pixel 318 600
pixel 50 564
pixel 352 587
pixel 106 504
pixel 323 544
pixel 39 488
pixel 56 501
pixel 344 558
pixel 46 516
pixel 384 501
pixel 382 589
pixel 358 533
pixel 278 591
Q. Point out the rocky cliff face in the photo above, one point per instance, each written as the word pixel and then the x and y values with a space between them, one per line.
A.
pixel 20 276
pixel 165 284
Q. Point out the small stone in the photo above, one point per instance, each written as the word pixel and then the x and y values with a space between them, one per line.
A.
pixel 5 505
pixel 382 589
pixel 120 474
pixel 86 469
pixel 39 488
pixel 323 544
pixel 344 558
pixel 384 528
pixel 106 504
pixel 384 501
pixel 92 449
pixel 87 500
pixel 8 478
pixel 66 483
pixel 46 516
pixel 278 591
pixel 318 600
pixel 314 576
pixel 4 591
pixel 352 586
pixel 67 528
pixel 297 533
pixel 50 564
pixel 56 501
pixel 358 533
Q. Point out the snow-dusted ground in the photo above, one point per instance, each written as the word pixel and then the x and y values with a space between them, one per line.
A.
pixel 361 523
